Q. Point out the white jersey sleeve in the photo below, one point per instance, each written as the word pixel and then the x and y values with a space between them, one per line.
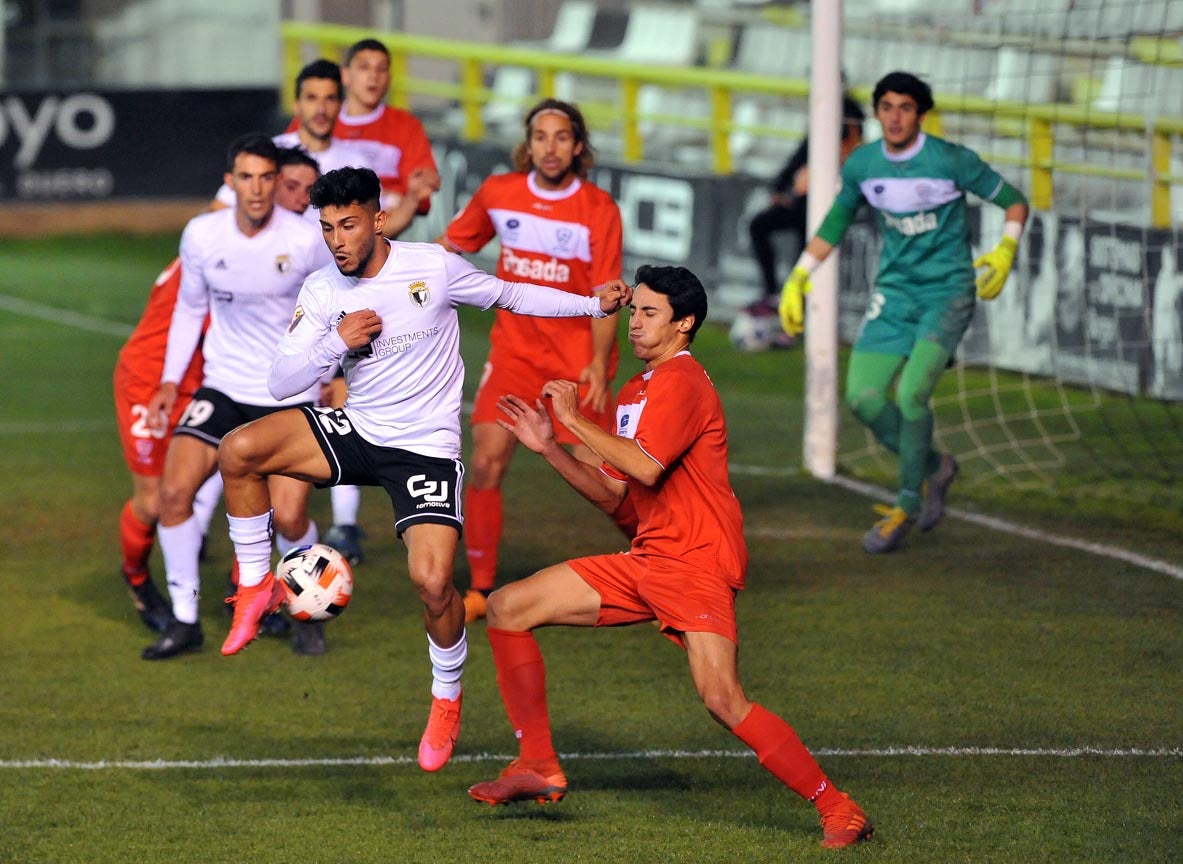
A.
pixel 188 315
pixel 310 348
pixel 469 286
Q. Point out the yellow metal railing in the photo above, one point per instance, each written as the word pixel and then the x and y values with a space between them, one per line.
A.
pixel 1037 123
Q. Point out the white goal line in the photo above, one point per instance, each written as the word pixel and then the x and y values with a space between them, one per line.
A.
pixel 400 761
pixel 870 490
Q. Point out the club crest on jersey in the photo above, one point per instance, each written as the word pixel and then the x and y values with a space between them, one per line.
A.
pixel 296 316
pixel 419 292
pixel 283 263
pixel 564 236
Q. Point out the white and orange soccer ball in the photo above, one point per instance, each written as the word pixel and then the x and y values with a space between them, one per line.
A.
pixel 317 582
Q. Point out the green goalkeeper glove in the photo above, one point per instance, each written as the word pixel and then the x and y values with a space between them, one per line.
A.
pixel 997 263
pixel 792 301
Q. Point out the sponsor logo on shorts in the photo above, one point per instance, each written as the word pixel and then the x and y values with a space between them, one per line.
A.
pixel 433 492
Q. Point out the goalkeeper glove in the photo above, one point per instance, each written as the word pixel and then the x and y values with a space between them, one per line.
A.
pixel 792 301
pixel 997 263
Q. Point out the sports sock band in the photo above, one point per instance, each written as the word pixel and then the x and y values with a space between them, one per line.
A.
pixel 521 677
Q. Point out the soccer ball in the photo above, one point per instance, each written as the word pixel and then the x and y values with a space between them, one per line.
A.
pixel 317 582
pixel 752 333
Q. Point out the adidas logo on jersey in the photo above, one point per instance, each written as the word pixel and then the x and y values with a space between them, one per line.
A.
pixel 221 265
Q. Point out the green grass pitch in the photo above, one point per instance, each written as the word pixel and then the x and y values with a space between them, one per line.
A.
pixel 987 697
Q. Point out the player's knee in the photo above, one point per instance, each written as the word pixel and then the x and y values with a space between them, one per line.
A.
pixel 725 703
pixel 912 401
pixel 238 452
pixel 485 470
pixel 176 502
pixel 866 404
pixel 290 522
pixel 435 591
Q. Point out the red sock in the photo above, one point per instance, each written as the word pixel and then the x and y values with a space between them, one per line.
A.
pixel 521 676
pixel 483 520
pixel 136 539
pixel 781 752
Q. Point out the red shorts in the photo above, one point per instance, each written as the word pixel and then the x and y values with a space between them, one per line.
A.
pixel 525 382
pixel 143 448
pixel 634 589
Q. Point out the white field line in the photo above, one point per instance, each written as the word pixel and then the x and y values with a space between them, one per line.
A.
pixel 400 761
pixel 54 315
pixel 114 328
pixel 1101 549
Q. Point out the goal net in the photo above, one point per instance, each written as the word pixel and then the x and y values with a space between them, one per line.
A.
pixel 1073 376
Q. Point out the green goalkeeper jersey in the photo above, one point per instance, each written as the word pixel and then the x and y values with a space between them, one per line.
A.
pixel 919 196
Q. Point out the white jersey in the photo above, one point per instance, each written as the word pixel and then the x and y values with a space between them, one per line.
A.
pixel 338 154
pixel 248 286
pixel 405 387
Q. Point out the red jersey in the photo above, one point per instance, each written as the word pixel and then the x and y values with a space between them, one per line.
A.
pixel 395 145
pixel 142 356
pixel 569 239
pixel 691 515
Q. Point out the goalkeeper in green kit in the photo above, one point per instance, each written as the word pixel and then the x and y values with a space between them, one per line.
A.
pixel 923 298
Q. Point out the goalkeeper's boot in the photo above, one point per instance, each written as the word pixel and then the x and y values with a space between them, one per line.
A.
pixel 346 539
pixel 519 782
pixel 177 638
pixel 845 824
pixel 888 533
pixel 443 727
pixel 250 606
pixel 936 489
pixel 155 611
pixel 476 605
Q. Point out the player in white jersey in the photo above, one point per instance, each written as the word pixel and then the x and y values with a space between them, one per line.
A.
pixel 387 312
pixel 242 267
pixel 314 113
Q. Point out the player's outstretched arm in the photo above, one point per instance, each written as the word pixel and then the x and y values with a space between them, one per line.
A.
pixel 532 426
pixel 615 294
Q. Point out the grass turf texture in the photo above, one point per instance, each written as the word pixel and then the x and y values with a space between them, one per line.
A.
pixel 968 639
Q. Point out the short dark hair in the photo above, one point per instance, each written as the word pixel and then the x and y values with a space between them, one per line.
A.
pixel 852 116
pixel 363 45
pixel 346 186
pixel 255 143
pixel 909 85
pixel 685 292
pixel 582 162
pixel 296 156
pixel 323 69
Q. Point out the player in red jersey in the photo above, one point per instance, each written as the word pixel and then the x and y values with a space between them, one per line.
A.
pixel 687 560
pixel 557 229
pixel 399 150
pixel 137 377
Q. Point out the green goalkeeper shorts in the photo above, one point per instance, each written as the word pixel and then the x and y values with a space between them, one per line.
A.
pixel 896 320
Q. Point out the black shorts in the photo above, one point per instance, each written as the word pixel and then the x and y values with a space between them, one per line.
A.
pixel 421 488
pixel 212 415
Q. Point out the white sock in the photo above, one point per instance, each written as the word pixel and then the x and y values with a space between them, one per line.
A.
pixel 283 545
pixel 251 536
pixel 346 501
pixel 180 545
pixel 206 501
pixel 447 665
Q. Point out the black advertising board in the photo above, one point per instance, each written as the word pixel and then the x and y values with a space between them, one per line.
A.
pixel 59 146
